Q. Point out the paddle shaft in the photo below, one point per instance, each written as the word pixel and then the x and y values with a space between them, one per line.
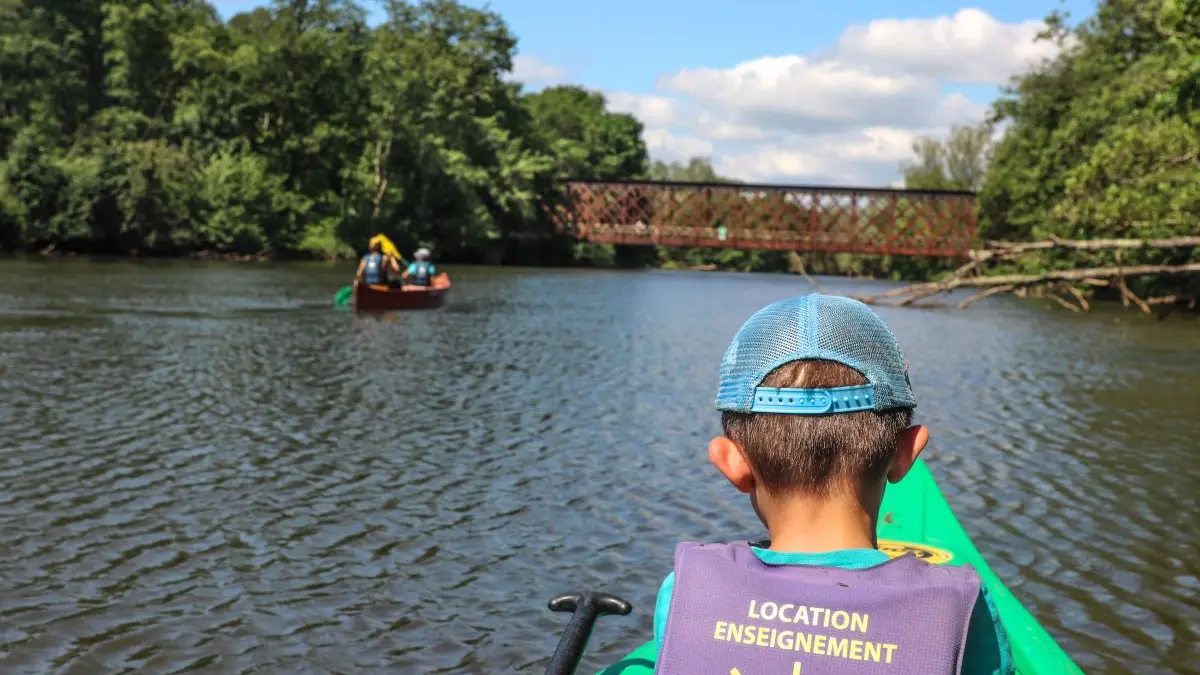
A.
pixel 585 608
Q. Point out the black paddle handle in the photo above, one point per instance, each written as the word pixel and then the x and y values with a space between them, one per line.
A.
pixel 585 608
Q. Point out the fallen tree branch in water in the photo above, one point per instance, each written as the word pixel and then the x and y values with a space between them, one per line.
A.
pixel 995 290
pixel 1096 276
pixel 1062 301
pixel 1130 296
pixel 1083 303
pixel 1004 248
pixel 1164 300
pixel 809 279
pixel 1066 287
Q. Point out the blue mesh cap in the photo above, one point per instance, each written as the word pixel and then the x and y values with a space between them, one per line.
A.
pixel 814 326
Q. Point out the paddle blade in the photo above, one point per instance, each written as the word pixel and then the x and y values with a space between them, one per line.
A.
pixel 388 247
pixel 343 296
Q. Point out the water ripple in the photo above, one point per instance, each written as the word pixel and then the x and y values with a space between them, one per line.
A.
pixel 206 469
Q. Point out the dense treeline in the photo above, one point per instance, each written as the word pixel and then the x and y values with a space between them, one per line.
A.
pixel 1102 142
pixel 152 126
pixel 1105 141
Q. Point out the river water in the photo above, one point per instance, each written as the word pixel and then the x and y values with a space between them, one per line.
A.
pixel 206 468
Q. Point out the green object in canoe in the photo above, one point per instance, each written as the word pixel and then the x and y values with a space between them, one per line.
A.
pixel 343 296
pixel 916 517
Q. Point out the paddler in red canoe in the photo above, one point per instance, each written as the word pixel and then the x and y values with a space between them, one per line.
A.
pixel 374 267
pixel 420 272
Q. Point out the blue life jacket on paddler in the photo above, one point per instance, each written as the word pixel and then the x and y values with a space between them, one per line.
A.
pixel 373 271
pixel 730 610
pixel 420 273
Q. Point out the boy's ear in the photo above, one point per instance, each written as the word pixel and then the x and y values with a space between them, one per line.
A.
pixel 912 442
pixel 729 459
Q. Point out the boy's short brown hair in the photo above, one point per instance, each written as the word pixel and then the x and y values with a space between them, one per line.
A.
pixel 814 453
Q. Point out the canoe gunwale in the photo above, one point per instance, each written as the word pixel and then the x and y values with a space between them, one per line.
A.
pixel 380 298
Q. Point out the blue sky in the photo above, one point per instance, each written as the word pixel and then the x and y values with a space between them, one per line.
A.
pixel 781 90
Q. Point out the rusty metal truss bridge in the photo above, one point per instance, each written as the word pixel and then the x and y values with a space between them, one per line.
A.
pixel 769 217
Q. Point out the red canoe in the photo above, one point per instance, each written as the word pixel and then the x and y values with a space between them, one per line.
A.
pixel 385 299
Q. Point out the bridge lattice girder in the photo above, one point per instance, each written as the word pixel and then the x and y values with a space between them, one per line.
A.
pixel 770 217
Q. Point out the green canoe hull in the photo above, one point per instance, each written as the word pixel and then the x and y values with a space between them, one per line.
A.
pixel 915 517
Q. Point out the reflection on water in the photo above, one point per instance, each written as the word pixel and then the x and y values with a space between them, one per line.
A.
pixel 205 466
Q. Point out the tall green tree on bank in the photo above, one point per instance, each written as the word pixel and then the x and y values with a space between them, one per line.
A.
pixel 154 126
pixel 1104 141
pixel 959 162
pixel 450 158
pixel 586 140
pixel 695 170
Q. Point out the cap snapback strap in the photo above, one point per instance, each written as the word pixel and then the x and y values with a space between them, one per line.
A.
pixel 813 401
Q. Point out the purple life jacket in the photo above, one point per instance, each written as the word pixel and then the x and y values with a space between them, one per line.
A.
pixel 733 614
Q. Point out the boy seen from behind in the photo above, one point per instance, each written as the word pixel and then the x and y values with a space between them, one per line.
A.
pixel 817 413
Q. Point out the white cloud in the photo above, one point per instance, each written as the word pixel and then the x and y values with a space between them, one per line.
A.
pixel 847 115
pixel 875 144
pixel 715 127
pixel 796 93
pixel 957 109
pixel 653 111
pixel 530 69
pixel 666 146
pixel 864 157
pixel 971 47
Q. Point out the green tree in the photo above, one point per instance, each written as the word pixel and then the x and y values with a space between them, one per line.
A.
pixel 587 141
pixel 1104 141
pixel 957 163
pixel 296 128
pixel 695 170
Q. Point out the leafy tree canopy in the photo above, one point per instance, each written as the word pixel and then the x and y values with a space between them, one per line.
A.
pixel 297 128
pixel 1101 142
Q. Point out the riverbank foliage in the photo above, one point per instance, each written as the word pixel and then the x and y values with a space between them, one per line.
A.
pixel 299 128
pixel 1102 142
pixel 154 126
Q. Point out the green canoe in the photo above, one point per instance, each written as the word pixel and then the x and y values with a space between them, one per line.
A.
pixel 915 517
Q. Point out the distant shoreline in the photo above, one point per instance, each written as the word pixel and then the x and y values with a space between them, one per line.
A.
pixel 268 258
pixel 199 255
